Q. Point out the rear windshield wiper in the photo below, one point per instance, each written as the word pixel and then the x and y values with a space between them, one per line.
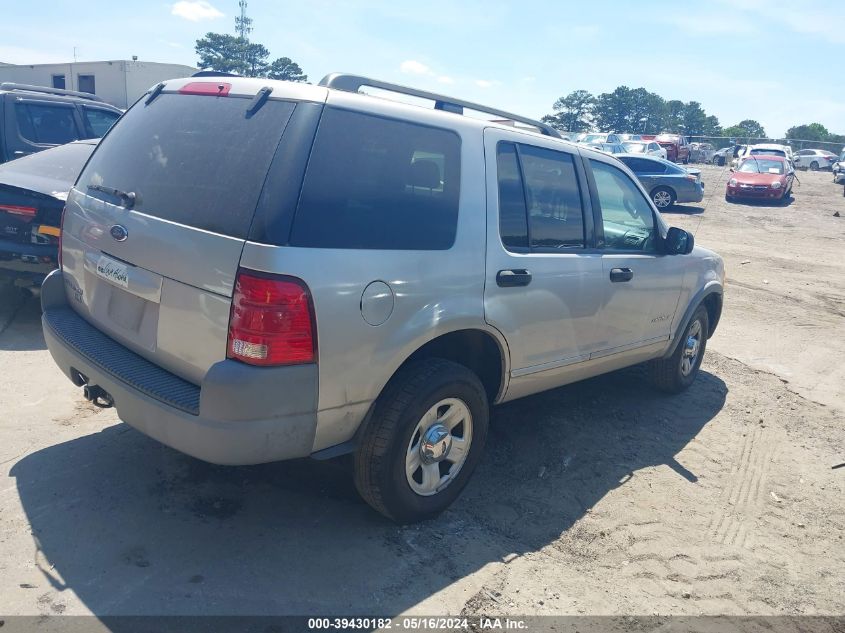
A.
pixel 127 199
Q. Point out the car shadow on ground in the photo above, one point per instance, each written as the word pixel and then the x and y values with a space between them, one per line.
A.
pixel 132 527
pixel 762 202
pixel 683 209
pixel 20 321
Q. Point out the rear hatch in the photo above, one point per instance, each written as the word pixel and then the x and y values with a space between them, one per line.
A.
pixel 155 226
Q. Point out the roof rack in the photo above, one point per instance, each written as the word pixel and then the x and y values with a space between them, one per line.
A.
pixel 353 83
pixel 8 85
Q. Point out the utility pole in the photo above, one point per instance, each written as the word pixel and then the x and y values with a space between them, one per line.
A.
pixel 243 24
pixel 243 27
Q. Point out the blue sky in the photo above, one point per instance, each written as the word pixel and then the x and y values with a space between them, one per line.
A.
pixel 777 61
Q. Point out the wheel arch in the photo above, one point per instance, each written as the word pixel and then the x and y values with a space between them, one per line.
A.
pixel 479 350
pixel 711 298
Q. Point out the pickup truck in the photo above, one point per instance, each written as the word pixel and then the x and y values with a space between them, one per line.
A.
pixel 677 147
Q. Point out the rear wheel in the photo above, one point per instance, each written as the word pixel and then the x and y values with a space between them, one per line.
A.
pixel 814 166
pixel 663 197
pixel 678 372
pixel 423 442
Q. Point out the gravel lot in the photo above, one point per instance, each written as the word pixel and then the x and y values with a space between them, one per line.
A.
pixel 599 498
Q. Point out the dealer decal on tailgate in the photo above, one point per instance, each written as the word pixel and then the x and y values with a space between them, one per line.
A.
pixel 112 270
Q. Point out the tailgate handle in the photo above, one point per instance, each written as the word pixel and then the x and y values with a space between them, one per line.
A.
pixel 514 277
pixel 621 274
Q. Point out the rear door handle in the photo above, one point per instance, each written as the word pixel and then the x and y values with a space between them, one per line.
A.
pixel 514 277
pixel 621 274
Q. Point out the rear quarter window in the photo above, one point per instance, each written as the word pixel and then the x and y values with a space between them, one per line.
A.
pixel 196 160
pixel 379 183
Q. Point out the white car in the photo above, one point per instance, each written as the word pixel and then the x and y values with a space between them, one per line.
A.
pixel 600 137
pixel 649 148
pixel 814 159
pixel 770 149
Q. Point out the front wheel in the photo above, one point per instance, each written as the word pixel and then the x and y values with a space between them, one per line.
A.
pixel 426 436
pixel 814 166
pixel 663 198
pixel 676 373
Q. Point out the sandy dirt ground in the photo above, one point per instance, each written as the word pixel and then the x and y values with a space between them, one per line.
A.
pixel 604 497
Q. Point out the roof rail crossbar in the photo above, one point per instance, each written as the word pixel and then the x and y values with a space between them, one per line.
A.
pixel 353 83
pixel 8 85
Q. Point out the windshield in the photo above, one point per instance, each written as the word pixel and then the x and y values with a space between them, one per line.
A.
pixel 594 138
pixel 634 148
pixel 770 152
pixel 757 166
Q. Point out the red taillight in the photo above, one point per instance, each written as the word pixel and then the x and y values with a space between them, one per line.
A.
pixel 272 320
pixel 206 88
pixel 26 212
pixel 61 232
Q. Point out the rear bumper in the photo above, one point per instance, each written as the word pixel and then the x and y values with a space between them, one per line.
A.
pixel 27 261
pixel 239 415
pixel 690 194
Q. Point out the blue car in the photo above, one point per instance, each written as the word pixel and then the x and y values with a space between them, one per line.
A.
pixel 666 182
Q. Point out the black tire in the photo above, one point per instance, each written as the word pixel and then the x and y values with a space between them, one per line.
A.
pixel 665 373
pixel 719 160
pixel 686 160
pixel 657 193
pixel 814 166
pixel 380 458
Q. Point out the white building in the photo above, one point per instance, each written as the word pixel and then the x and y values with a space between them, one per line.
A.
pixel 119 82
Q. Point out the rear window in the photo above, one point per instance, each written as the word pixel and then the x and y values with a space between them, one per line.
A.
pixel 377 183
pixel 195 160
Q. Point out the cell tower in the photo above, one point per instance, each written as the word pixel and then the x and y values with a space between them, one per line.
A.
pixel 243 24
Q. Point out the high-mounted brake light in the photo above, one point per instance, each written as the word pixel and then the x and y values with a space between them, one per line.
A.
pixel 27 212
pixel 206 88
pixel 272 320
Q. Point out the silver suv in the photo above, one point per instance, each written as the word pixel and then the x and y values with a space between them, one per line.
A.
pixel 254 271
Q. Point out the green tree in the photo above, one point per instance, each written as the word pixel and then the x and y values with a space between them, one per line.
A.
pixel 573 112
pixel 712 127
pixel 673 117
pixel 694 118
pixel 220 52
pixel 809 132
pixel 611 109
pixel 254 60
pixel 230 54
pixel 286 70
pixel 748 129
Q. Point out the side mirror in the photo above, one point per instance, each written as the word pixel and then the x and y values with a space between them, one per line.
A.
pixel 678 242
pixel 732 169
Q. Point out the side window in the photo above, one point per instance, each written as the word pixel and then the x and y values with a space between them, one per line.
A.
pixel 555 216
pixel 513 219
pixel 626 215
pixel 644 165
pixel 539 198
pixel 46 124
pixel 98 122
pixel 378 183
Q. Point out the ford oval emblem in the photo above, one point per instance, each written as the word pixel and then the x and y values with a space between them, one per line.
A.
pixel 119 232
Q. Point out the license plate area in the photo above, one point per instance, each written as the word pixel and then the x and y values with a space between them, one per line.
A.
pixel 113 271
